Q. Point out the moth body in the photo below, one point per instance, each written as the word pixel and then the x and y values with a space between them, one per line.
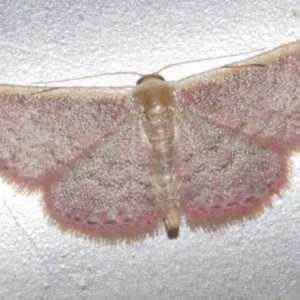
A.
pixel 156 98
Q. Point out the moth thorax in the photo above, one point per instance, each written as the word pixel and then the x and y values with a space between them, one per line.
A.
pixel 154 95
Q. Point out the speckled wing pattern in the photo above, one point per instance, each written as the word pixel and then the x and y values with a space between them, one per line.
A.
pixel 238 127
pixel 108 192
pixel 86 150
pixel 83 149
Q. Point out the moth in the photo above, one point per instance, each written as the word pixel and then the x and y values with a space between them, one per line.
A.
pixel 117 163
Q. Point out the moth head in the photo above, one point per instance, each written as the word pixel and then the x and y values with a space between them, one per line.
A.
pixel 153 92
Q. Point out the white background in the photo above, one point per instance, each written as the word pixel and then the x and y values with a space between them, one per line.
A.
pixel 66 39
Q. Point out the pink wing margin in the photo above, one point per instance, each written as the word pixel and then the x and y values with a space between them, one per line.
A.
pixel 239 126
pixel 82 148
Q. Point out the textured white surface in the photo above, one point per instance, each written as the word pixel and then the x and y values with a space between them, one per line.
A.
pixel 66 39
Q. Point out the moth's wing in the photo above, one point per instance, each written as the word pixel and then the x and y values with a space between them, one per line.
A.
pixel 43 130
pixel 224 176
pixel 107 193
pixel 84 150
pixel 258 97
